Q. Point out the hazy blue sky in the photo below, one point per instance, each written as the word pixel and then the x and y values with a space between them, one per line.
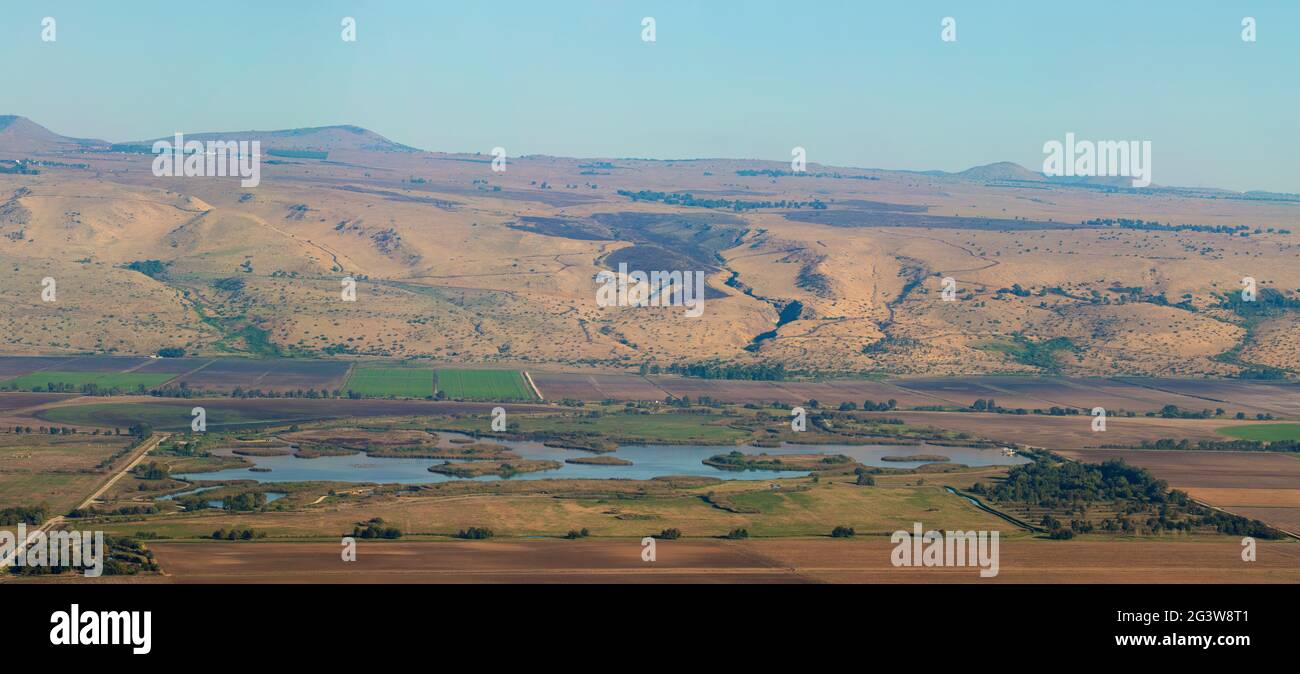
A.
pixel 857 83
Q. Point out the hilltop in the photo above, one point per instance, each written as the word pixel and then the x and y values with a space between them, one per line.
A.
pixel 21 135
pixel 314 139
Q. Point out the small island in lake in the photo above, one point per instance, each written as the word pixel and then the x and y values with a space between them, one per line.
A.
pixel 469 469
pixel 796 462
pixel 929 458
pixel 599 461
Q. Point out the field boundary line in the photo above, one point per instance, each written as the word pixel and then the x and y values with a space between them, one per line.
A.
pixel 538 392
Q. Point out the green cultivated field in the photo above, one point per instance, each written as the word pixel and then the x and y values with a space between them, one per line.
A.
pixel 394 381
pixel 484 385
pixel 1263 432
pixel 127 381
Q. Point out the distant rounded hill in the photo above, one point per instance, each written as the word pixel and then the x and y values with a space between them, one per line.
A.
pixel 1002 170
pixel 21 135
pixel 344 137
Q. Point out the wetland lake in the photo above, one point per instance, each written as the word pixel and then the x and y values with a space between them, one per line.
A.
pixel 648 461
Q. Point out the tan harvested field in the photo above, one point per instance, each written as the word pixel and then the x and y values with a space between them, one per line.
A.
pixel 55 470
pixel 1229 496
pixel 1235 470
pixel 17 401
pixel 863 560
pixel 1259 485
pixel 1278 398
pixel 1116 396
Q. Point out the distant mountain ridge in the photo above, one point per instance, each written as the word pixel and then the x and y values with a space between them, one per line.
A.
pixel 22 137
pixel 317 138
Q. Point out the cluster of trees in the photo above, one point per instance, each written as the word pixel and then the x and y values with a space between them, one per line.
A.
pixel 1224 523
pixel 720 370
pixel 1066 486
pixel 23 515
pixel 18 167
pixel 849 406
pixel 249 500
pixel 1060 484
pixel 1267 302
pixel 869 406
pixel 1174 412
pixel 152 471
pixel 683 402
pixel 124 557
pixel 1152 225
pixel 1041 355
pixel 738 534
pixel 1015 289
pixel 1225 445
pixel 475 533
pixel 577 533
pixel 1263 372
pixel 151 268
pixel 52 430
pixel 236 534
pixel 375 528
pixel 89 389
pixel 782 173
pixel 240 392
pixel 670 534
pixel 689 200
pixel 124 510
pixel 843 532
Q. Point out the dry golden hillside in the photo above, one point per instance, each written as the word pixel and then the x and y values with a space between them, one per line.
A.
pixel 837 271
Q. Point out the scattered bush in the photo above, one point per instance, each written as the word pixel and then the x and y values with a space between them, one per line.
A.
pixel 474 533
